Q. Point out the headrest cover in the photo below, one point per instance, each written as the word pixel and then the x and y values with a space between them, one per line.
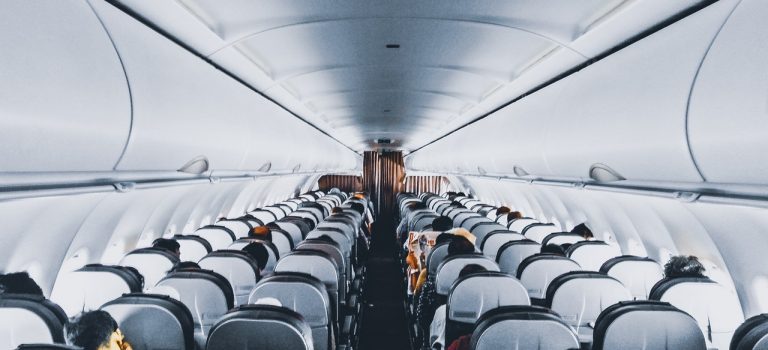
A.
pixel 448 271
pixel 473 295
pixel 522 327
pixel 260 327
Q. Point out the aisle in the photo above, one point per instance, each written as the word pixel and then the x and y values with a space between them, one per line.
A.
pixel 384 322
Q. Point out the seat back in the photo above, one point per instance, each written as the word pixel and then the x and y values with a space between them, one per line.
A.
pixel 261 327
pixel 91 286
pixel 293 229
pixel 580 296
pixel 282 240
pixel 316 264
pixel 240 227
pixel 27 318
pixel 511 254
pixel 436 257
pixel 205 293
pixel 493 241
pixel 473 221
pixel 522 327
pixel 305 295
pixel 152 321
pixel 473 295
pixel 539 231
pixel 752 334
pixel 335 253
pixel 519 225
pixel 265 216
pixel 48 347
pixel 561 238
pixel 538 270
pixel 276 211
pixel 423 221
pixel 715 308
pixel 271 250
pixel 340 238
pixel 192 247
pixel 152 263
pixel 240 270
pixel 448 271
pixel 484 230
pixel 646 325
pixel 638 274
pixel 219 237
pixel 463 215
pixel 591 255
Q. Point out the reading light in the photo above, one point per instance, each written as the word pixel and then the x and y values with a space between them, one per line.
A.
pixel 603 173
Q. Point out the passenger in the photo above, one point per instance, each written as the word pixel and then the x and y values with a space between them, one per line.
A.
pixel 514 215
pixel 553 249
pixel 259 253
pixel 19 283
pixel 565 246
pixel 583 231
pixel 185 265
pixel 168 244
pixel 437 327
pixel 95 330
pixel 326 238
pixel 462 232
pixel 503 210
pixel 261 232
pixel 358 208
pixel 456 204
pixel 684 266
pixel 336 211
pixel 442 224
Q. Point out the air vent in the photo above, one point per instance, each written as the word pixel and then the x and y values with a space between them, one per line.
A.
pixel 197 165
pixel 603 173
pixel 265 167
pixel 296 168
pixel 383 141
pixel 519 171
pixel 393 46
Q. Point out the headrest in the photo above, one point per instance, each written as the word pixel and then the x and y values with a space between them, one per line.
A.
pixel 237 267
pixel 28 318
pixel 314 263
pixel 48 347
pixel 580 296
pixel 293 229
pixel 282 240
pixel 638 274
pixel 448 270
pixel 560 238
pixel 518 225
pixel 591 255
pixel 473 295
pixel 152 321
pixel 277 211
pixel 75 291
pixel 472 222
pixel 511 254
pixel 152 263
pixel 536 272
pixel 304 214
pixel 337 225
pixel 260 327
pixel 218 236
pixel 274 255
pixel 494 240
pixel 199 285
pixel 482 231
pixel 463 215
pixel 522 327
pixel 318 213
pixel 646 324
pixel 436 257
pixel 252 220
pixel 265 216
pixel 299 292
pixel 332 250
pixel 752 334
pixel 342 239
pixel 192 247
pixel 240 227
pixel 422 223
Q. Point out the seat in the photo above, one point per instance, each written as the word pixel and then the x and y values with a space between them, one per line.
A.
pixel 276 211
pixel 282 240
pixel 511 254
pixel 319 265
pixel 473 295
pixel 336 254
pixel 538 270
pixel 152 321
pixel 293 228
pixel 219 237
pixel 251 220
pixel 580 296
pixel 752 334
pixel 152 263
pixel 464 215
pixel 518 225
pixel 271 249
pixel 561 238
pixel 522 327
pixel 207 295
pixel 422 222
pixel 28 318
pixel 261 327
pixel 305 295
pixel 340 238
pixel 539 231
pixel 638 274
pixel 483 230
pixel 436 257
pixel 643 324
pixel 591 255
pixel 494 240
pixel 265 216
pixel 47 347
pixel 448 270
pixel 192 247
pixel 240 227
pixel 306 214
pixel 472 221
pixel 345 227
pixel 75 292
pixel 237 267
pixel 715 308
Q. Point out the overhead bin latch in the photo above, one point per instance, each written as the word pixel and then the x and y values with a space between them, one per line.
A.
pixel 124 187
pixel 685 196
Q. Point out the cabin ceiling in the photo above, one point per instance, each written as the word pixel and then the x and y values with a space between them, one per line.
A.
pixel 328 61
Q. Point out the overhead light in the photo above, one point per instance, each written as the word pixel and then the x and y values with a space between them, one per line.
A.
pixel 603 173
pixel 197 165
pixel 393 46
pixel 519 171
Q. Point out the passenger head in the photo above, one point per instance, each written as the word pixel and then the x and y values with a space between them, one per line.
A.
pixel 326 239
pixel 94 330
pixel 444 237
pixel 456 204
pixel 358 208
pixel 684 266
pixel 514 215
pixel 185 265
pixel 168 244
pixel 419 205
pixel 261 232
pixel 460 245
pixel 553 249
pixel 336 210
pixel 259 253
pixel 583 231
pixel 470 269
pixel 565 246
pixel 442 224
pixel 503 210
pixel 19 283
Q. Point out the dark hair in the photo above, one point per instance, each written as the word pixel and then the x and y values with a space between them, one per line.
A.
pixel 258 252
pixel 19 283
pixel 168 244
pixel 565 246
pixel 261 232
pixel 444 237
pixel 182 265
pixel 456 204
pixel 90 330
pixel 358 207
pixel 583 231
pixel 684 266
pixel 137 274
pixel 326 238
pixel 442 224
pixel 419 205
pixel 460 245
pixel 553 249
pixel 503 210
pixel 470 269
pixel 513 215
pixel 337 210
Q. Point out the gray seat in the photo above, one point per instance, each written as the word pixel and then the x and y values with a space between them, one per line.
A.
pixel 522 327
pixel 261 327
pixel 305 295
pixel 448 271
pixel 511 254
pixel 219 237
pixel 752 334
pixel 580 296
pixel 537 271
pixel 561 238
pixel 152 321
pixel 27 318
pixel 335 253
pixel 74 291
pixel 494 240
pixel 152 263
pixel 519 225
pixel 436 257
pixel 237 267
pixel 640 325
pixel 638 274
pixel 274 255
pixel 293 229
pixel 265 216
pixel 539 231
pixel 484 230
pixel 192 247
pixel 240 227
pixel 591 255
pixel 319 265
